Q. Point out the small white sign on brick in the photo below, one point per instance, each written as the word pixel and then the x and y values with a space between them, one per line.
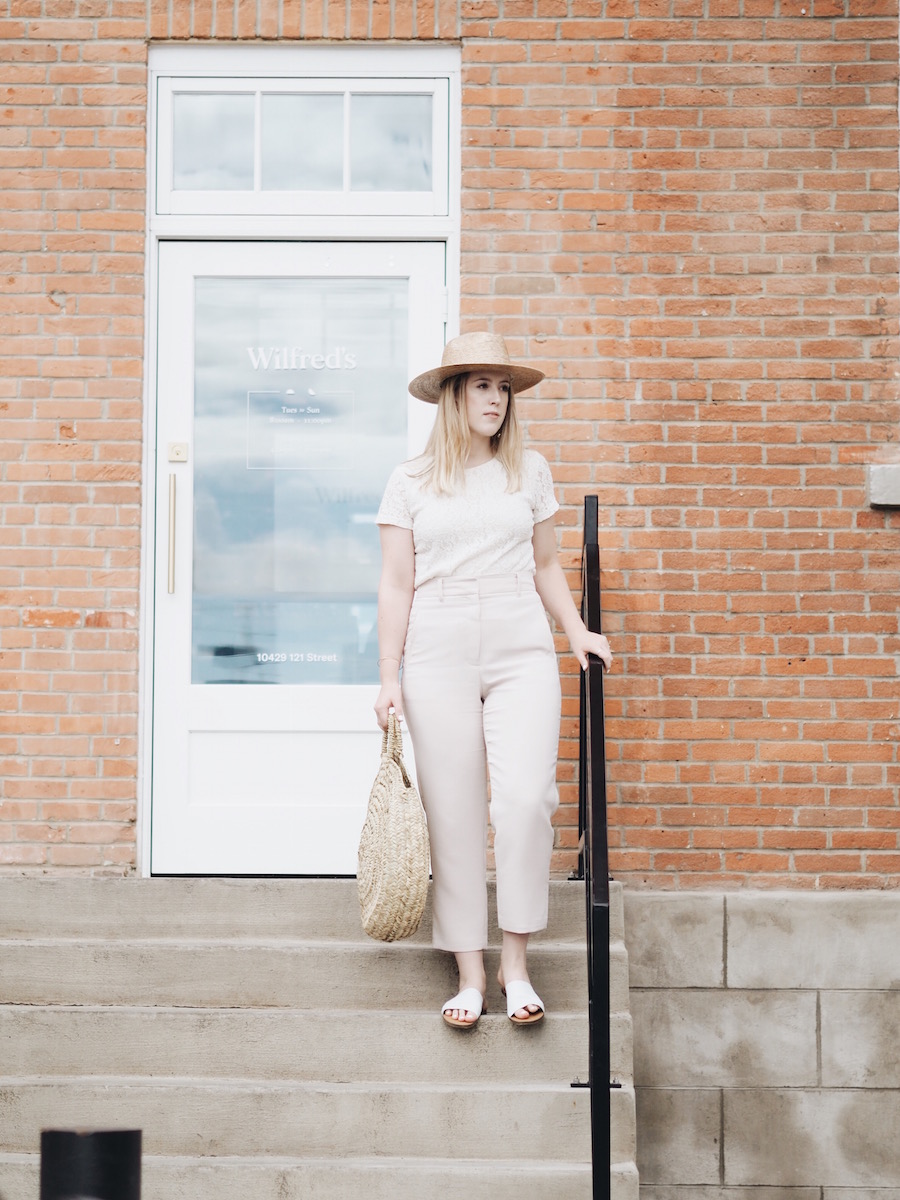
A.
pixel 884 485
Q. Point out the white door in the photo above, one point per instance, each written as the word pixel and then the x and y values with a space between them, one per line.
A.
pixel 282 407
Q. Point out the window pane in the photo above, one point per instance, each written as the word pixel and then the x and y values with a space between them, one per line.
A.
pixel 390 143
pixel 213 141
pixel 299 418
pixel 303 143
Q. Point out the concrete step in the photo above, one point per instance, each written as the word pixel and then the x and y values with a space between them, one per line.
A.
pixel 317 909
pixel 375 1178
pixel 246 1118
pixel 290 1044
pixel 280 974
pixel 258 1119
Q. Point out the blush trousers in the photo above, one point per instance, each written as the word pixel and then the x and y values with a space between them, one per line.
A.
pixel 481 696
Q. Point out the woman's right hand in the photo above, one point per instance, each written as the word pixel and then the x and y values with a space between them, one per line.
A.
pixel 389 697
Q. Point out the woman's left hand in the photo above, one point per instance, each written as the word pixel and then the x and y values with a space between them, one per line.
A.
pixel 583 643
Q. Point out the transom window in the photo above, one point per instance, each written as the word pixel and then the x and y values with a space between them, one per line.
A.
pixel 316 145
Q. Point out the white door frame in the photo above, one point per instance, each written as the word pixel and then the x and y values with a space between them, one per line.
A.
pixel 256 61
pixel 262 779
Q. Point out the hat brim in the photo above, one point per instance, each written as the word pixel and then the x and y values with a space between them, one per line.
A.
pixel 427 386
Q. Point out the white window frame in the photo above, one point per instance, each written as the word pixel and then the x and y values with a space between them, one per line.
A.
pixel 278 214
pixel 440 66
pixel 342 202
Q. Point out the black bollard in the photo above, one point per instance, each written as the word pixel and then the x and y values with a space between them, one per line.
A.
pixel 91 1165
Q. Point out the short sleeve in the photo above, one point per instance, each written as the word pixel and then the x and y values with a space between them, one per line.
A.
pixel 394 507
pixel 543 498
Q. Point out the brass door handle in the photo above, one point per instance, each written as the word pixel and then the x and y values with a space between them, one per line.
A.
pixel 171 534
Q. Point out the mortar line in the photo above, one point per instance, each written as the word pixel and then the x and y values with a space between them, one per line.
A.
pixel 818 1037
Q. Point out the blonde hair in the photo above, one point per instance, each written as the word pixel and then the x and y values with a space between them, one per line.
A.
pixel 448 444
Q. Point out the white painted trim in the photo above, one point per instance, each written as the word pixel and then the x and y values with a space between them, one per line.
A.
pixel 359 58
pixel 148 541
pixel 240 227
pixel 143 788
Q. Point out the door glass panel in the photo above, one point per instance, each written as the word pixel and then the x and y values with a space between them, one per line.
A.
pixel 302 142
pixel 300 415
pixel 213 141
pixel 390 143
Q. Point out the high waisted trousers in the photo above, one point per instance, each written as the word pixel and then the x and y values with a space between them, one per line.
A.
pixel 481 696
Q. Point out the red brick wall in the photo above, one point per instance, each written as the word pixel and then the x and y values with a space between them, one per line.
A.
pixel 691 223
pixel 746 290
pixel 72 118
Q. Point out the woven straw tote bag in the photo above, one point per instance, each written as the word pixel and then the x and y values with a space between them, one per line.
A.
pixel 394 859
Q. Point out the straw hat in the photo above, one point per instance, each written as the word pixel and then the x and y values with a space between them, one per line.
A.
pixel 473 352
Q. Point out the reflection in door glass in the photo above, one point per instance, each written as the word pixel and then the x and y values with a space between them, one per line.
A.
pixel 300 415
pixel 213 141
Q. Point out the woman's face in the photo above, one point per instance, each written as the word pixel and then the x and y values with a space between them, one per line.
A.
pixel 487 399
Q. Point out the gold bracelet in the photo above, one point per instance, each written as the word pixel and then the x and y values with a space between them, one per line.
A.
pixel 387 658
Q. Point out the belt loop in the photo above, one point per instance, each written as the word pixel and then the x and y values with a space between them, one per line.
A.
pixel 441 582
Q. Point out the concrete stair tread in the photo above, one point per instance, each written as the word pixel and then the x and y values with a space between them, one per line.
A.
pixel 376 1177
pixel 276 1010
pixel 374 1162
pixel 366 945
pixel 282 1118
pixel 241 1084
pixel 383 1177
pixel 228 908
pixel 255 974
pixel 298 1044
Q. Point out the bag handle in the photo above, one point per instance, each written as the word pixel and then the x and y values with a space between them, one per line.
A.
pixel 392 745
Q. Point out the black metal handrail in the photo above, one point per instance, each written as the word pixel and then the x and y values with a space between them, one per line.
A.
pixel 594 861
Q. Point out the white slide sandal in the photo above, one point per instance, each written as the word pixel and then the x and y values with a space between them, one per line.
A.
pixel 469 1000
pixel 519 994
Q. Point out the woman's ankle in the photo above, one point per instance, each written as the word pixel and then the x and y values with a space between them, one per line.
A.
pixel 513 958
pixel 470 965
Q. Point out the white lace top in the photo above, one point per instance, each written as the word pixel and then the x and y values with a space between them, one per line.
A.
pixel 484 530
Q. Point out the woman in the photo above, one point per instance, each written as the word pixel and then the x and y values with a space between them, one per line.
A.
pixel 468 565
